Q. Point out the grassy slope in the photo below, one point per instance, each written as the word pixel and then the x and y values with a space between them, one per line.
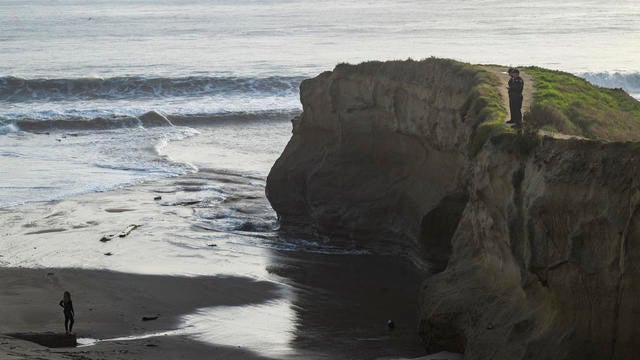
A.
pixel 489 107
pixel 568 104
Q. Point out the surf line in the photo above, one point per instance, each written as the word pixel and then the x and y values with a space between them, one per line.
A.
pixel 84 342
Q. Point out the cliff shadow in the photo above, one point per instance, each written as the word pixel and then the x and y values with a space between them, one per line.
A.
pixel 344 301
pixel 437 228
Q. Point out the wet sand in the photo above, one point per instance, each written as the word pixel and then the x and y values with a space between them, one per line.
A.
pixel 110 305
pixel 339 304
pixel 340 311
pixel 207 258
pixel 343 304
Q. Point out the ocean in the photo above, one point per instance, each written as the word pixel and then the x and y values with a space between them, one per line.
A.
pixel 75 75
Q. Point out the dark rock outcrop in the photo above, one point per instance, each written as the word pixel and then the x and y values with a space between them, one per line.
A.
pixel 154 119
pixel 535 241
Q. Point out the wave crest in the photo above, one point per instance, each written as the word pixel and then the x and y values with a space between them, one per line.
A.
pixel 146 120
pixel 15 89
pixel 627 81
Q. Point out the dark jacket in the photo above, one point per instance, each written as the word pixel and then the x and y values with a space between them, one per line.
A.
pixel 516 85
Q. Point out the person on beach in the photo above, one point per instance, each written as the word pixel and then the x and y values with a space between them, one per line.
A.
pixel 67 306
pixel 515 86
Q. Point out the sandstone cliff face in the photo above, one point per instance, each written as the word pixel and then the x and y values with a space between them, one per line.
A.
pixel 378 147
pixel 540 237
pixel 544 259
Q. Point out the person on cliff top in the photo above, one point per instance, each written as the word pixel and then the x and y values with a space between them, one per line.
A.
pixel 515 86
pixel 67 306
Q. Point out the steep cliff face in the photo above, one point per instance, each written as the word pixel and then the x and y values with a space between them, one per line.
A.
pixel 544 260
pixel 540 236
pixel 380 151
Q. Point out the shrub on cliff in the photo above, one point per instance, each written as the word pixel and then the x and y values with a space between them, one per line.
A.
pixel 547 118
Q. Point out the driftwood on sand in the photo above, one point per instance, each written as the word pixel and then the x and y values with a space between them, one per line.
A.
pixel 121 234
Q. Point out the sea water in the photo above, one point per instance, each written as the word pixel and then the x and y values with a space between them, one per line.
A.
pixel 89 68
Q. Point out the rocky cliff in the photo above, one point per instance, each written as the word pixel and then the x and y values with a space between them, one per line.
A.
pixel 545 254
pixel 380 152
pixel 534 241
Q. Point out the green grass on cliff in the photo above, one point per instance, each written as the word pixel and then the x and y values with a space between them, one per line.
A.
pixel 570 105
pixel 489 109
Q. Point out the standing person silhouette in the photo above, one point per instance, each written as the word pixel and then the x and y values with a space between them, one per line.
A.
pixel 515 86
pixel 67 305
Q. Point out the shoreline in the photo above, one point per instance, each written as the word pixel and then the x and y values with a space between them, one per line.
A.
pixel 111 304
pixel 206 251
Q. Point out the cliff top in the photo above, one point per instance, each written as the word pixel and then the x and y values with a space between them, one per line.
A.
pixel 557 104
pixel 563 106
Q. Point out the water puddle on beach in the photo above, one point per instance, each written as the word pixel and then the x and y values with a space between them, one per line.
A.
pixel 266 329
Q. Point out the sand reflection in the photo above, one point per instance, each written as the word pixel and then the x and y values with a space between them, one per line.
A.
pixel 267 329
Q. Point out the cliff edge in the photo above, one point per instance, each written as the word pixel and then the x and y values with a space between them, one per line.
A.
pixel 531 242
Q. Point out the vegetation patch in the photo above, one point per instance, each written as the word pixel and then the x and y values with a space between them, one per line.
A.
pixel 488 108
pixel 570 105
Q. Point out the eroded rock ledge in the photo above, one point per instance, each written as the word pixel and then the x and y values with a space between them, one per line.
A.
pixel 534 241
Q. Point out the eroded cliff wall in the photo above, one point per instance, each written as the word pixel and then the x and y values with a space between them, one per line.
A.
pixel 545 256
pixel 378 147
pixel 540 236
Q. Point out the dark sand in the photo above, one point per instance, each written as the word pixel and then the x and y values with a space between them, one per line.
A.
pixel 341 314
pixel 109 304
pixel 343 303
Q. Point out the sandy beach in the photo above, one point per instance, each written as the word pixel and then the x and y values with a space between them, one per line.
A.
pixel 112 305
pixel 346 318
pixel 206 257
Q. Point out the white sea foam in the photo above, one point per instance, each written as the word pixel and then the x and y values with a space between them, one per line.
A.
pixel 49 167
pixel 89 109
pixel 8 128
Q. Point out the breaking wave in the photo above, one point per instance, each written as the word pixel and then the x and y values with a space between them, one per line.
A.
pixel 146 120
pixel 15 89
pixel 627 81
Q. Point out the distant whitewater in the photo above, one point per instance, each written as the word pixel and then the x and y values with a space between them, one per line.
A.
pixel 127 97
pixel 629 82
